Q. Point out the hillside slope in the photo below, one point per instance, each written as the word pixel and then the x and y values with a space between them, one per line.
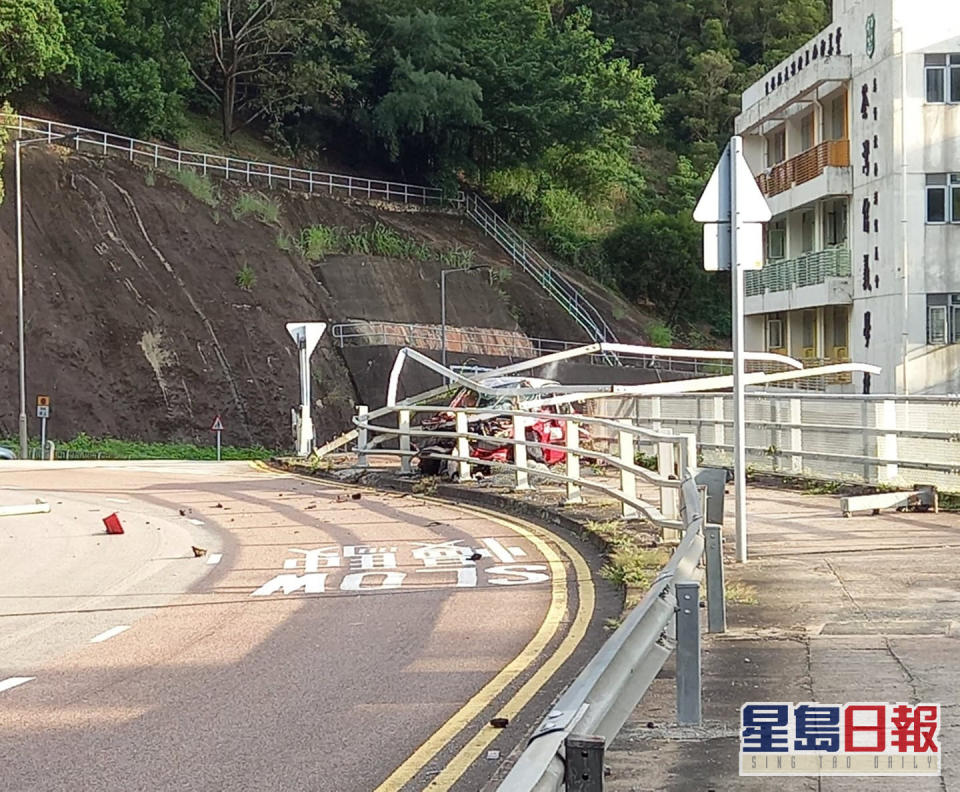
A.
pixel 136 324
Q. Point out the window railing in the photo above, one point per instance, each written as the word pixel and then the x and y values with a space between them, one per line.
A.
pixel 804 167
pixel 806 270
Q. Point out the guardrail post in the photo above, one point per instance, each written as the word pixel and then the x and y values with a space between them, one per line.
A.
pixel 628 479
pixel 688 653
pixel 463 447
pixel 716 606
pixel 362 436
pixel 665 467
pixel 574 493
pixel 796 435
pixel 584 766
pixel 886 418
pixel 520 452
pixel 403 424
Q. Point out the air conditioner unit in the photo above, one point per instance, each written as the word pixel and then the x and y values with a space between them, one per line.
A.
pixel 778 350
pixel 808 353
pixel 841 353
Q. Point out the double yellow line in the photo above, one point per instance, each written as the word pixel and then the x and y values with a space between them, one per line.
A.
pixel 528 656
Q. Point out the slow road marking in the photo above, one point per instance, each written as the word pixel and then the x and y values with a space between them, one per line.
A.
pixel 110 633
pixel 12 682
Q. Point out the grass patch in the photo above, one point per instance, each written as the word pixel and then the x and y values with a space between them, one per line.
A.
pixel 628 564
pixel 648 461
pixel 199 186
pixel 246 278
pixel 660 334
pixel 740 594
pixel 285 242
pixel 150 178
pixel 257 204
pixel 85 447
pixel 319 241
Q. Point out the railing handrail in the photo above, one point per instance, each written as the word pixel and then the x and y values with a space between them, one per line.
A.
pixel 807 269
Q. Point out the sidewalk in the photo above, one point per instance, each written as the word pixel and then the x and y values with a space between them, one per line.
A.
pixel 859 609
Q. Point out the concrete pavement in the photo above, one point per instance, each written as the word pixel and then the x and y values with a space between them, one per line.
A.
pixel 859 609
pixel 322 650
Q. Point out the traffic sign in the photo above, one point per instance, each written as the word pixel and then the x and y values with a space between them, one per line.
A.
pixel 306 334
pixel 713 210
pixel 217 425
pixel 43 406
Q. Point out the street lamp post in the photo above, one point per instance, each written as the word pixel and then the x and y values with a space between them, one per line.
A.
pixel 443 305
pixel 19 144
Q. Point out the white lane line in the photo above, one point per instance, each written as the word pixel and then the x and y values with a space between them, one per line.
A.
pixel 110 633
pixel 195 522
pixel 12 682
pixel 499 550
pixel 214 558
pixel 117 500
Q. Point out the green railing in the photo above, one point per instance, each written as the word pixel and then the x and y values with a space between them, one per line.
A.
pixel 806 270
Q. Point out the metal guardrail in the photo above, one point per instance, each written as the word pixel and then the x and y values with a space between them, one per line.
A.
pixel 592 710
pixel 877 439
pixel 265 174
pixel 806 270
pixel 538 268
pixel 509 344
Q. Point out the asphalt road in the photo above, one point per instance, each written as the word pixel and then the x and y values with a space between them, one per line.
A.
pixel 328 639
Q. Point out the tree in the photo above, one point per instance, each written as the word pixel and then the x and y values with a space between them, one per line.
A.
pixel 266 58
pixel 32 42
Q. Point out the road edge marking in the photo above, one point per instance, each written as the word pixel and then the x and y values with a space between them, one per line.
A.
pixel 486 734
pixel 408 770
pixel 12 682
pixel 106 634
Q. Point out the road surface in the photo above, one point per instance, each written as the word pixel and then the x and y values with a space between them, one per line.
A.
pixel 327 639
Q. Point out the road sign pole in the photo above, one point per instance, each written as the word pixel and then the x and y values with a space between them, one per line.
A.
pixel 739 429
pixel 306 335
pixel 218 445
pixel 43 436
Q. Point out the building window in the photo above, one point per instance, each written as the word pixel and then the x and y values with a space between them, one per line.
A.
pixel 942 78
pixel 943 197
pixel 776 148
pixel 809 334
pixel 808 232
pixel 776 240
pixel 835 223
pixel 943 318
pixel 838 117
pixel 806 132
pixel 774 333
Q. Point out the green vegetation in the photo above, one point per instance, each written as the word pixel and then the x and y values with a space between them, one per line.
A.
pixel 628 564
pixel 594 124
pixel 740 594
pixel 266 211
pixel 246 278
pixel 199 186
pixel 86 447
pixel 318 242
pixel 660 334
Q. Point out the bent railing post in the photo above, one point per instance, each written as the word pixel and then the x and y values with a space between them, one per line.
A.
pixel 362 435
pixel 403 424
pixel 628 479
pixel 520 453
pixel 574 491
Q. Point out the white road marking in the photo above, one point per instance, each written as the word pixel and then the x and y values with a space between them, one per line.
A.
pixel 214 558
pixel 517 551
pixel 499 550
pixel 195 522
pixel 110 633
pixel 12 682
pixel 117 500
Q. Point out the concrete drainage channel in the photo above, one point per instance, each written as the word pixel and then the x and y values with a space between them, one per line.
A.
pixel 566 750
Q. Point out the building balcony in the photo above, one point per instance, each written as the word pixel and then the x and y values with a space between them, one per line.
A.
pixel 818 278
pixel 805 167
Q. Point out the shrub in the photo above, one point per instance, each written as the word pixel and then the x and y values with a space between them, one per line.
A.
pixel 199 186
pixel 266 211
pixel 246 278
pixel 660 334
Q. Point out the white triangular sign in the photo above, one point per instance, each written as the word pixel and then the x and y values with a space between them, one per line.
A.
pixel 714 203
pixel 306 333
pixel 217 425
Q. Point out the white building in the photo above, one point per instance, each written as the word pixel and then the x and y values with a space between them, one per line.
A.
pixel 856 137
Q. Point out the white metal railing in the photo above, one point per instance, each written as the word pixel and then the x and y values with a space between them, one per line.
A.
pixel 807 269
pixel 262 174
pixel 537 267
pixel 890 440
pixel 674 452
pixel 503 343
pixel 266 174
